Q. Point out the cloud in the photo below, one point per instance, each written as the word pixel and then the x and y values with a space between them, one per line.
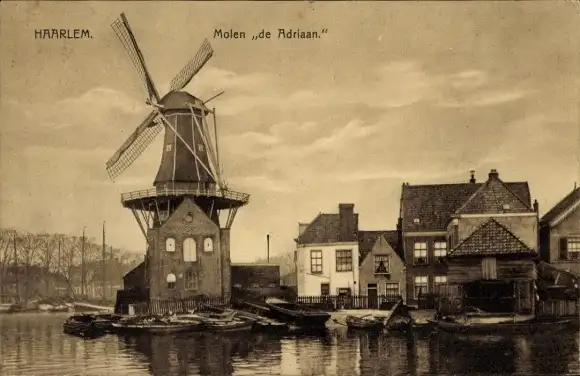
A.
pixel 262 183
pixel 96 107
pixel 486 98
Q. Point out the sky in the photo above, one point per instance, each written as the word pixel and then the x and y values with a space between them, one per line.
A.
pixel 393 92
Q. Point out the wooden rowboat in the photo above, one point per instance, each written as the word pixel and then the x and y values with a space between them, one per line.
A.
pixel 82 326
pixel 365 322
pixel 529 326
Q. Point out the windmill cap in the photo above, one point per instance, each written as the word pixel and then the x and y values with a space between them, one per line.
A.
pixel 180 100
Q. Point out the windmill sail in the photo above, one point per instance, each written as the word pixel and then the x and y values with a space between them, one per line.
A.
pixel 134 145
pixel 192 67
pixel 123 31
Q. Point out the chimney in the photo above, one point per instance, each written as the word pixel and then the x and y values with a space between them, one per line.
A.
pixel 536 206
pixel 346 214
pixel 493 174
pixel 472 180
pixel 302 228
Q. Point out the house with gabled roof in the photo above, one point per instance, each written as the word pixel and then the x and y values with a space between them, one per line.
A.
pixel 560 233
pixel 327 254
pixel 382 269
pixel 436 218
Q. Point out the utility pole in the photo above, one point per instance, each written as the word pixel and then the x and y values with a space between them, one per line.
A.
pixel 83 264
pixel 268 247
pixel 111 263
pixel 104 284
pixel 58 274
pixel 16 269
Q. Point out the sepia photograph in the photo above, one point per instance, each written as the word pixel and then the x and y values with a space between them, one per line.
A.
pixel 289 188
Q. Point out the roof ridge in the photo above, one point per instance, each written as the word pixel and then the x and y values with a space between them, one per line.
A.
pixel 486 184
pixel 569 195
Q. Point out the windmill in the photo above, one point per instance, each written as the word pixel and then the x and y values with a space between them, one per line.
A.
pixel 189 181
pixel 190 160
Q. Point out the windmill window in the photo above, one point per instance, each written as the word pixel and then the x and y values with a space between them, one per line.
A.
pixel 168 147
pixel 170 245
pixel 171 281
pixel 191 280
pixel 208 245
pixel 189 250
pixel 381 264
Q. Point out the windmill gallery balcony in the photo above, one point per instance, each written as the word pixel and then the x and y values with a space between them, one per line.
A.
pixel 144 197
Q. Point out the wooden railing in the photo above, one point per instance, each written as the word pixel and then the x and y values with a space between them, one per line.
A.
pixel 173 191
pixel 335 302
pixel 162 307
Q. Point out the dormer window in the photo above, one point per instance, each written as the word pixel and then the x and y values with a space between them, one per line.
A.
pixel 170 245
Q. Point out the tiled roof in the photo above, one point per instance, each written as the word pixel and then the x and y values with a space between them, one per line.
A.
pixel 434 204
pixel 561 206
pixel 325 228
pixel 367 240
pixel 494 197
pixel 491 239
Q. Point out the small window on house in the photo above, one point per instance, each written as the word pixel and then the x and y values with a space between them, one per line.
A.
pixel 392 289
pixel 208 245
pixel 271 285
pixel 420 253
pixel 416 220
pixel 440 249
pixel 190 280
pixel 315 262
pixel 324 289
pixel 344 291
pixel 439 281
pixel 570 248
pixel 171 281
pixel 420 285
pixel 255 285
pixel 238 286
pixel 189 250
pixel 170 245
pixel 344 261
pixel 381 264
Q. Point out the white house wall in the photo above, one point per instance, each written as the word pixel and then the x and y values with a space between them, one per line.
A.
pixel 309 284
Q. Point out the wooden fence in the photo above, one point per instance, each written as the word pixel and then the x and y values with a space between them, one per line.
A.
pixel 162 307
pixel 558 308
pixel 334 302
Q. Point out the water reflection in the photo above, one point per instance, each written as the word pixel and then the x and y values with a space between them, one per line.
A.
pixel 35 345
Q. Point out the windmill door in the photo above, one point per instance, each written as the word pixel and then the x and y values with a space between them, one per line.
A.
pixel 372 296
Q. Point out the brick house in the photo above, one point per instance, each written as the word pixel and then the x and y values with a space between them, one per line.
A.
pixel 327 254
pixel 437 217
pixel 560 233
pixel 381 270
pixel 184 258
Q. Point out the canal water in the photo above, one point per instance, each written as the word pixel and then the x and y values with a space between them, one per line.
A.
pixel 33 344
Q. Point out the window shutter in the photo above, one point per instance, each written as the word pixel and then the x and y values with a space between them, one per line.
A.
pixel 563 248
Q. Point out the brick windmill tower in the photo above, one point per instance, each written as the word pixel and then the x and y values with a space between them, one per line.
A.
pixel 186 217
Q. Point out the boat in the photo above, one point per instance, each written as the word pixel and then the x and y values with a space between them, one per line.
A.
pixel 157 326
pixel 295 313
pixel 367 322
pixel 82 326
pixel 234 325
pixel 261 323
pixel 503 327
